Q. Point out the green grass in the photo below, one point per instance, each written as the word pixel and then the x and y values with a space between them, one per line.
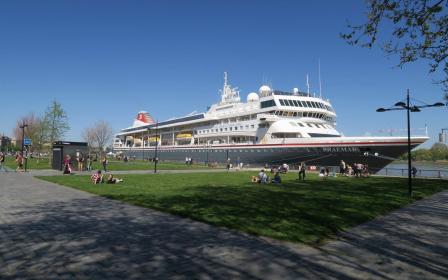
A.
pixel 114 165
pixel 33 163
pixel 145 165
pixel 309 212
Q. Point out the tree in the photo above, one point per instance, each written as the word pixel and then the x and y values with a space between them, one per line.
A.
pixel 439 151
pixel 32 130
pixel 89 136
pixel 419 31
pixel 98 136
pixel 55 123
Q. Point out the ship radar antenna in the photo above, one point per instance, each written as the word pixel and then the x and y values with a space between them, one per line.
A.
pixel 225 78
pixel 307 85
pixel 320 81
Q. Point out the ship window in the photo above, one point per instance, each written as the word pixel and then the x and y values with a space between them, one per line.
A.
pixel 309 125
pixel 220 129
pixel 301 124
pixel 247 126
pixel 282 102
pixel 230 128
pixel 284 135
pixel 236 127
pixel 295 103
pixel 295 114
pixel 225 129
pixel 289 102
pixel 304 104
pixel 252 126
pixel 309 104
pixel 312 104
pixel 267 103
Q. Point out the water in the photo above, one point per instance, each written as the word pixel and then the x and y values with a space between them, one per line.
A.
pixel 423 169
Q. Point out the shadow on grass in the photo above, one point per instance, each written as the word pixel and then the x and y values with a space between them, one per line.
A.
pixel 309 212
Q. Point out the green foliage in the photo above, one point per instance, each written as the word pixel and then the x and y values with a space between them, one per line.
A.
pixel 308 211
pixel 438 151
pixel 55 122
pixel 419 31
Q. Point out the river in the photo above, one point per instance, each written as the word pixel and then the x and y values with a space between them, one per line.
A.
pixel 424 169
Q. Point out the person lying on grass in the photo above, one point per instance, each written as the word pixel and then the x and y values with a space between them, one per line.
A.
pixel 112 180
pixel 97 177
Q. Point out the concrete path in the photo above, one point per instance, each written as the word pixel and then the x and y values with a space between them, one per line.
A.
pixel 54 232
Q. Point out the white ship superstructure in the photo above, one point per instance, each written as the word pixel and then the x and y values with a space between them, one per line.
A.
pixel 272 126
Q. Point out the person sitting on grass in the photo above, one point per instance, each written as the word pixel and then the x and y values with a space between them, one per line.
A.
pixel 112 180
pixel 324 173
pixel 277 179
pixel 97 177
pixel 262 177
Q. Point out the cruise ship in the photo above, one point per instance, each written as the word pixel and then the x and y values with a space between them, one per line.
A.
pixel 272 127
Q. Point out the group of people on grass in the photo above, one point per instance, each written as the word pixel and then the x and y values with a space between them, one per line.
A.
pixel 263 178
pixel 98 178
pixel 356 169
pixel 67 163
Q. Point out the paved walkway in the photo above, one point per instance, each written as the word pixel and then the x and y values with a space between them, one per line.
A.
pixel 53 232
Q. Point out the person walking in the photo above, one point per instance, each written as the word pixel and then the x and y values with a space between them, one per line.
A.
pixel 19 161
pixel 89 163
pixel 302 170
pixel 105 162
pixel 2 162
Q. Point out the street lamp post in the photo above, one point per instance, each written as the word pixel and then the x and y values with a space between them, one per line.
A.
pixel 23 143
pixel 155 150
pixel 409 108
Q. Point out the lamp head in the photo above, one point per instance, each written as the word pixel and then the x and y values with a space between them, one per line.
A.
pixel 438 104
pixel 380 110
pixel 400 104
pixel 415 109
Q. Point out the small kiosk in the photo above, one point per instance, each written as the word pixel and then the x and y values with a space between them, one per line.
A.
pixel 63 148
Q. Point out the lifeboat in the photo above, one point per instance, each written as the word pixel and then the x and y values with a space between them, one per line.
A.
pixel 184 136
pixel 154 139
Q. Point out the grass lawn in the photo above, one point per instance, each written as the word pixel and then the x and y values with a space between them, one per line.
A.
pixel 309 212
pixel 114 165
pixel 33 163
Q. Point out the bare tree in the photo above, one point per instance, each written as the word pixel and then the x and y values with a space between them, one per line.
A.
pixel 88 135
pixel 32 130
pixel 98 136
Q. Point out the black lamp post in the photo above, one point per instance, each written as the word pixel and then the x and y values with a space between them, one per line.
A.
pixel 23 142
pixel 409 108
pixel 155 150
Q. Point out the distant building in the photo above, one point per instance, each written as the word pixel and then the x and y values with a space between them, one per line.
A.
pixel 5 144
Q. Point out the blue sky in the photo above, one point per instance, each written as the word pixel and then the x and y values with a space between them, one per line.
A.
pixel 110 59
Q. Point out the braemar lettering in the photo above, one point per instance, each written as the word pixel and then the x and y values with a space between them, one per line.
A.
pixel 340 149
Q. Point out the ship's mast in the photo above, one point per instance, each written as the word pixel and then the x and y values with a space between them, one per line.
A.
pixel 229 94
